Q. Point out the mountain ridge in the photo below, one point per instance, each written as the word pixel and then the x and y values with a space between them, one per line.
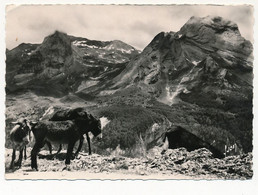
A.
pixel 199 66
pixel 170 54
pixel 64 59
pixel 199 78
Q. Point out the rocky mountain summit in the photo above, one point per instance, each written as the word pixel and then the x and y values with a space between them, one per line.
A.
pixel 206 64
pixel 171 63
pixel 63 64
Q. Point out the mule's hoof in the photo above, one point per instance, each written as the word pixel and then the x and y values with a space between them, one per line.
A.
pixel 19 164
pixel 67 162
pixel 34 169
pixel 67 168
pixel 163 152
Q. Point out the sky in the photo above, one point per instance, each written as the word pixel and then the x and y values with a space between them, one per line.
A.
pixel 135 25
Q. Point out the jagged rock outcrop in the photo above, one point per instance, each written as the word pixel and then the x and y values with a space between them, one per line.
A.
pixel 178 137
pixel 170 58
pixel 215 34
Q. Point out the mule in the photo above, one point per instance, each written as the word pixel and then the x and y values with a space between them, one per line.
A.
pixel 20 136
pixel 71 114
pixel 62 132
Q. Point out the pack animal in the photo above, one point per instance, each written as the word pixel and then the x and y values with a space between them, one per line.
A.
pixel 63 132
pixel 20 136
pixel 71 114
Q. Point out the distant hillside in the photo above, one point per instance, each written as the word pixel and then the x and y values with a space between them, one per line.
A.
pixel 63 64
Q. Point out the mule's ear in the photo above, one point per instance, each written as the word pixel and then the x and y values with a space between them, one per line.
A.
pixel 81 113
pixel 92 118
pixel 27 121
pixel 33 123
pixel 20 121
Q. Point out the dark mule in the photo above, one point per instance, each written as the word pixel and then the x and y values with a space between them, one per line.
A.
pixel 60 147
pixel 62 132
pixel 20 137
pixel 71 114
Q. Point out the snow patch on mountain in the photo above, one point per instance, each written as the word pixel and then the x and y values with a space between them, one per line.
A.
pixel 123 50
pixel 195 62
pixel 84 44
pixel 86 84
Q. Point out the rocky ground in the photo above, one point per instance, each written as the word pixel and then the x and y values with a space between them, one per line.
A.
pixel 173 164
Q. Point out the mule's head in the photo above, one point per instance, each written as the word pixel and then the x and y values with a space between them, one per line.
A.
pixel 85 121
pixel 78 113
pixel 95 127
pixel 21 131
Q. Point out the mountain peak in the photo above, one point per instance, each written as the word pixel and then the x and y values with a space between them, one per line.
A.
pixel 58 32
pixel 58 35
pixel 214 22
pixel 59 42
pixel 120 44
pixel 210 25
pixel 212 40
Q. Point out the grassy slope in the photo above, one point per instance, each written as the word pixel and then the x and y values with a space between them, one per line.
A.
pixel 132 111
pixel 132 114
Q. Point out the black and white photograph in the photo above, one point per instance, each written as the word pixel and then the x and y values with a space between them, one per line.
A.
pixel 129 92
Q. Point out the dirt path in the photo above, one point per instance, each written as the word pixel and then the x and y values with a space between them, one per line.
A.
pixel 174 164
pixel 89 175
pixel 88 167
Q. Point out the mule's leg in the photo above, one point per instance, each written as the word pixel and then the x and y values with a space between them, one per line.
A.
pixel 49 147
pixel 34 154
pixel 59 149
pixel 20 158
pixel 88 140
pixel 25 155
pixel 13 158
pixel 69 152
pixel 80 146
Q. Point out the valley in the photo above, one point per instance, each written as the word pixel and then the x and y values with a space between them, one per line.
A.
pixel 198 79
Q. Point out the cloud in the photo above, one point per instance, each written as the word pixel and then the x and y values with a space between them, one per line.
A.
pixel 135 25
